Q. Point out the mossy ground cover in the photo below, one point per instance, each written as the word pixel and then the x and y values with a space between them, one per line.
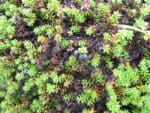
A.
pixel 74 56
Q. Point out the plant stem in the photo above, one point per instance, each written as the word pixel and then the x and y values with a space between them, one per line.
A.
pixel 123 26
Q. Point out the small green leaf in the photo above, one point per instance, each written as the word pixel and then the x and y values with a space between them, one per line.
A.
pixel 147 1
pixel 96 60
pixel 50 88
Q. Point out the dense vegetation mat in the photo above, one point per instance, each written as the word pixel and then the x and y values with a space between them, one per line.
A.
pixel 74 56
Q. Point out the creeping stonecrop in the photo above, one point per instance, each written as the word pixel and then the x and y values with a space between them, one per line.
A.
pixel 74 56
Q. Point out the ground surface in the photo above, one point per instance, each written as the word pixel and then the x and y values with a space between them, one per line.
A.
pixel 74 56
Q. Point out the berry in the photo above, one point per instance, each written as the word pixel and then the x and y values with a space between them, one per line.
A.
pixel 108 98
pixel 1 14
pixel 75 53
pixel 25 71
pixel 83 56
pixel 101 50
pixel 134 56
pixel 30 9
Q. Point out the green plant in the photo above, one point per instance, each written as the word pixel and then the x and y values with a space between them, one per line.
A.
pixel 30 50
pixel 88 97
pixel 66 56
pixel 144 69
pixel 113 104
pixel 125 75
pixel 86 82
pixel 51 88
pixel 51 11
pixel 43 29
pixel 83 50
pixel 140 23
pixel 71 63
pixel 37 105
pixel 88 110
pixel 132 94
pixel 147 1
pixel 66 111
pixel 83 43
pixel 107 36
pixel 114 19
pixel 103 9
pixel 9 9
pixel 108 62
pixel 68 97
pixel 107 48
pixel 30 17
pixel 75 28
pixel 144 11
pixel 6 30
pixel 97 77
pixel 89 31
pixel 65 43
pixel 29 2
pixel 120 41
pixel 75 14
pixel 96 60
